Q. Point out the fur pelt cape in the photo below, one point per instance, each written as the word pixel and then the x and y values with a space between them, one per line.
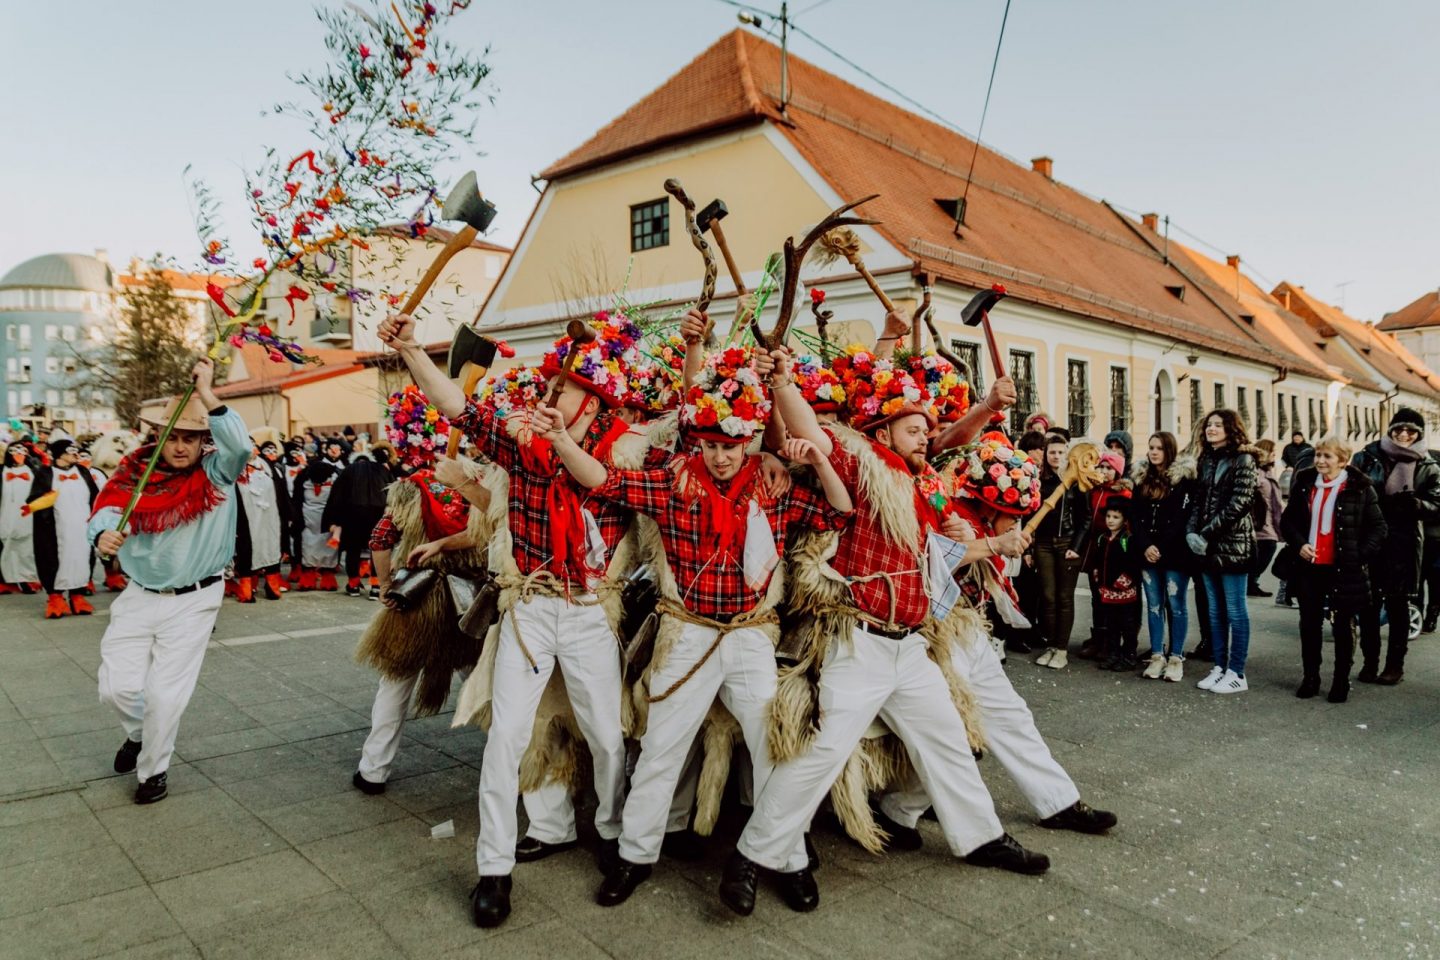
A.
pixel 823 614
pixel 553 755
pixel 426 641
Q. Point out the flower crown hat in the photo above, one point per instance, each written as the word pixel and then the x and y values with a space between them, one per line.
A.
pixel 992 472
pixel 519 388
pixel 603 365
pixel 877 392
pixel 818 384
pixel 942 381
pixel 729 402
pixel 655 378
pixel 414 426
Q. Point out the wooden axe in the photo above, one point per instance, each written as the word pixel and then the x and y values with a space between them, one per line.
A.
pixel 977 313
pixel 463 203
pixel 469 349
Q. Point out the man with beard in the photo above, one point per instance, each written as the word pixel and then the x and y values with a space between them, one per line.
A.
pixel 319 545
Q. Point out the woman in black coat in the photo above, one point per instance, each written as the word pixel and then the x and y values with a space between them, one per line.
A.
pixel 1334 526
pixel 1164 495
pixel 1055 555
pixel 1408 485
pixel 1220 531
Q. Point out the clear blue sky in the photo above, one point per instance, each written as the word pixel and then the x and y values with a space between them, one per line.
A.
pixel 1297 133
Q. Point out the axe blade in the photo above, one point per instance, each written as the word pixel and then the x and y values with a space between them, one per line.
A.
pixel 980 304
pixel 468 346
pixel 465 203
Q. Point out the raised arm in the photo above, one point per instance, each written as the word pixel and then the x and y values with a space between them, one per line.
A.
pixel 398 331
pixel 803 451
pixel 692 331
pixel 800 419
pixel 974 421
pixel 587 471
pixel 896 329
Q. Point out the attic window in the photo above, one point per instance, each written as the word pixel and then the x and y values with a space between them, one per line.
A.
pixel 650 224
pixel 1249 318
pixel 1177 291
pixel 954 209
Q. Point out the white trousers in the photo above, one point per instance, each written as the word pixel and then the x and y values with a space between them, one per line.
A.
pixel 579 639
pixel 895 680
pixel 387 721
pixel 551 810
pixel 150 659
pixel 742 672
pixel 1010 737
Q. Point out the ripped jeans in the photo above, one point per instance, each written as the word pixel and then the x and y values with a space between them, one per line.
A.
pixel 1165 590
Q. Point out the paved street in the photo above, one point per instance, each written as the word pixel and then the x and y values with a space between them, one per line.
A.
pixel 1251 826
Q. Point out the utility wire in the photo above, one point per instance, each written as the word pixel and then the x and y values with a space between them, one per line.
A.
pixel 974 154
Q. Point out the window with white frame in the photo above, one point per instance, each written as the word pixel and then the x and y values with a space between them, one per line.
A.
pixel 52 364
pixel 52 397
pixel 67 333
pixel 52 331
pixel 1219 395
pixel 26 397
pixel 10 329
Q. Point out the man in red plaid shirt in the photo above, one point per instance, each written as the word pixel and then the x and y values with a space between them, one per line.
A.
pixel 721 535
pixel 882 669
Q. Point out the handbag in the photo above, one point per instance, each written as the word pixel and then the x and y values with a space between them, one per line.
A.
pixel 409 586
pixel 1285 563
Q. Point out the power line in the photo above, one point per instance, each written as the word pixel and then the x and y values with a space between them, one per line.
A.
pixel 974 154
pixel 813 6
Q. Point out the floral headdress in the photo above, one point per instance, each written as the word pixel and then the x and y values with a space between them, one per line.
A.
pixel 877 392
pixel 942 381
pixel 656 377
pixel 519 388
pixel 416 427
pixel 728 402
pixel 994 473
pixel 603 364
pixel 818 384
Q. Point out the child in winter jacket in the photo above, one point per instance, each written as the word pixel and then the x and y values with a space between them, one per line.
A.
pixel 1113 483
pixel 1114 566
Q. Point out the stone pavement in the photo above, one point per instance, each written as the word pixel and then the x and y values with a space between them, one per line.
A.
pixel 1250 826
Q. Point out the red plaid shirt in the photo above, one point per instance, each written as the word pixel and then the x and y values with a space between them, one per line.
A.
pixel 864 550
pixel 385 536
pixel 709 585
pixel 529 515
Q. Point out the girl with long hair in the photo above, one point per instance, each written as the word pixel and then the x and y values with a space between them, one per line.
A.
pixel 1164 497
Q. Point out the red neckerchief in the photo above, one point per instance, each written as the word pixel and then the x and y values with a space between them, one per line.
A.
pixel 722 513
pixel 443 511
pixel 562 502
pixel 927 512
pixel 171 498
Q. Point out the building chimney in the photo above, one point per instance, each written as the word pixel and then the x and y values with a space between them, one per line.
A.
pixel 1151 221
pixel 1233 261
pixel 1285 299
pixel 102 255
pixel 1043 166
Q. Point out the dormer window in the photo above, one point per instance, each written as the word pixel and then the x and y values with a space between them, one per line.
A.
pixel 1177 291
pixel 650 224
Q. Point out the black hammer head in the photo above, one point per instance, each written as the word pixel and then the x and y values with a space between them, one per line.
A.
pixel 468 346
pixel 465 203
pixel 714 210
pixel 980 305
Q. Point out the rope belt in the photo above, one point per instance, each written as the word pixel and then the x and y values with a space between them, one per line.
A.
pixel 750 618
pixel 890 623
pixel 544 583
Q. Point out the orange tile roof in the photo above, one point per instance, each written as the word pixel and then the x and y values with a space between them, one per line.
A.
pixel 179 280
pixel 1421 312
pixel 1048 243
pixel 1381 350
pixel 266 376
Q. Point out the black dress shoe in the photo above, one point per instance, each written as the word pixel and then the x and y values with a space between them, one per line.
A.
pixel 366 786
pixel 1257 592
pixel 620 882
pixel 901 837
pixel 490 901
pixel 1007 854
pixel 684 845
pixel 1339 691
pixel 737 884
pixel 812 855
pixel 799 890
pixel 1368 673
pixel 152 790
pixel 528 850
pixel 1390 676
pixel 1082 818
pixel 1309 686
pixel 126 756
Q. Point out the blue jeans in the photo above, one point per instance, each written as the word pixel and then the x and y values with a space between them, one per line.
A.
pixel 1165 589
pixel 1229 619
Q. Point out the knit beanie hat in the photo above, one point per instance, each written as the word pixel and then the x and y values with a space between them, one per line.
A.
pixel 1406 417
pixel 1113 460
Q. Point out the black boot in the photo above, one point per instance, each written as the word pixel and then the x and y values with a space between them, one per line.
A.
pixel 1007 854
pixel 737 884
pixel 1368 672
pixel 490 901
pixel 901 837
pixel 1339 690
pixel 1431 621
pixel 1309 686
pixel 152 790
pixel 126 756
pixel 620 882
pixel 683 845
pixel 1082 818
pixel 799 890
pixel 528 850
pixel 367 787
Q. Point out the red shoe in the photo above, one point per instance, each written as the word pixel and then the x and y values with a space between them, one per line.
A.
pixel 308 579
pixel 245 590
pixel 364 569
pixel 116 582
pixel 8 588
pixel 80 606
pixel 295 571
pixel 328 582
pixel 88 589
pixel 29 588
pixel 230 588
pixel 274 586
pixel 56 607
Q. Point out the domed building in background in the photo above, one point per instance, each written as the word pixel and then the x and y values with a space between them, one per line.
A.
pixel 53 308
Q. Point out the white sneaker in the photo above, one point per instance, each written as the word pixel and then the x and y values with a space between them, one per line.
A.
pixel 1154 668
pixel 1044 659
pixel 998 646
pixel 1231 682
pixel 1175 669
pixel 1211 678
pixel 1058 661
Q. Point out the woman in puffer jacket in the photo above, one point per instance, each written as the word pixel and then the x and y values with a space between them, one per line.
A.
pixel 1220 530
pixel 1334 524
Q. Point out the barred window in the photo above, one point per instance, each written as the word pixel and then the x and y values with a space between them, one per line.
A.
pixel 1077 392
pixel 1282 418
pixel 1324 419
pixel 1262 416
pixel 1197 407
pixel 1294 412
pixel 1119 398
pixel 969 354
pixel 1242 406
pixel 1022 371
pixel 1311 421
pixel 650 224
pixel 1219 396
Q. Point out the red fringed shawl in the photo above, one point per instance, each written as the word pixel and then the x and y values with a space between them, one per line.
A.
pixel 170 499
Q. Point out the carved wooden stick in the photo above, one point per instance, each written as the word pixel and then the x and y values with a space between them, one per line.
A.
pixel 707 286
pixel 795 259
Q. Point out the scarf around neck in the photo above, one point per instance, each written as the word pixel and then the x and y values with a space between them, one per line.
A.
pixel 171 497
pixel 1402 465
pixel 1322 506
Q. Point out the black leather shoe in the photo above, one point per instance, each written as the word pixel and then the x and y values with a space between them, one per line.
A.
pixel 1309 686
pixel 366 786
pixel 799 890
pixel 1390 676
pixel 126 756
pixel 1368 673
pixel 684 845
pixel 901 837
pixel 528 850
pixel 490 901
pixel 620 882
pixel 1082 818
pixel 152 791
pixel 811 855
pixel 1007 854
pixel 737 884
pixel 1339 691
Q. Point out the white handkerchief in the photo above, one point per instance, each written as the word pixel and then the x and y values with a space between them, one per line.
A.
pixel 594 547
pixel 943 556
pixel 760 557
